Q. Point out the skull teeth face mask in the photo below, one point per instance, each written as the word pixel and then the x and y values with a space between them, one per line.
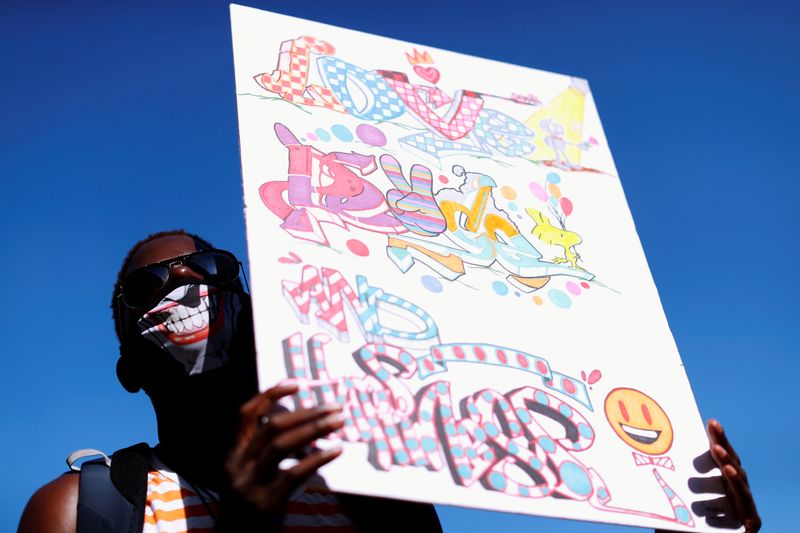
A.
pixel 195 324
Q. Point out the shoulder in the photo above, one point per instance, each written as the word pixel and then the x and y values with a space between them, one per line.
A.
pixel 52 508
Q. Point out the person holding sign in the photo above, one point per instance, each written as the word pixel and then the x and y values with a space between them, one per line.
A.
pixel 230 458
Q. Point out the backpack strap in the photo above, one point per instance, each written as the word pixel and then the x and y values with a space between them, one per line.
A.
pixel 370 514
pixel 77 455
pixel 111 498
pixel 101 507
pixel 129 468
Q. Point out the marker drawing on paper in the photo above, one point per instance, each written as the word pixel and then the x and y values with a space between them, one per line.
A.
pixel 433 241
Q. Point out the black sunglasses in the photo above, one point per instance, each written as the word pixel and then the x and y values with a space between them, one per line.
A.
pixel 143 287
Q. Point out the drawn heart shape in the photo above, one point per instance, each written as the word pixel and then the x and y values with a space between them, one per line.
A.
pixel 429 74
pixel 291 260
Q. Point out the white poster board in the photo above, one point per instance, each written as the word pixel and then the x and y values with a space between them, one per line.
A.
pixel 442 244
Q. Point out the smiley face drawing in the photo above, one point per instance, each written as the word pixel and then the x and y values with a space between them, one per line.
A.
pixel 639 421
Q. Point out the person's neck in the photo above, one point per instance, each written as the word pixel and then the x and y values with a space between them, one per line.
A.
pixel 197 453
pixel 197 429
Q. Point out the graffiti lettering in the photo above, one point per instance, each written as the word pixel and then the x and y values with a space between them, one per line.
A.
pixel 493 433
pixel 494 133
pixel 460 117
pixel 503 442
pixel 482 235
pixel 330 291
pixel 524 442
pixel 323 187
pixel 464 127
pixel 413 204
pixel 290 79
pixel 487 354
pixel 376 101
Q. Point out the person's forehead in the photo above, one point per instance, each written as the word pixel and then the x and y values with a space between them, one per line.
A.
pixel 161 249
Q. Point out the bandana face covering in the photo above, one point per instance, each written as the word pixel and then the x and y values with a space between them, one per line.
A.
pixel 195 324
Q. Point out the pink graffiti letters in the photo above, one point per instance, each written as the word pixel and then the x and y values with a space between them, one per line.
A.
pixel 459 118
pixel 465 126
pixel 330 291
pixel 290 79
pixel 324 188
pixel 493 433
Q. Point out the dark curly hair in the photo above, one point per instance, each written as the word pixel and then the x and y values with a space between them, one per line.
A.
pixel 127 260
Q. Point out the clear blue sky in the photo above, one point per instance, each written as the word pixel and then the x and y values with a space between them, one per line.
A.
pixel 116 121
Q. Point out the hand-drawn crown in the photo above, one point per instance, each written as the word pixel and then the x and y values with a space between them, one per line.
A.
pixel 419 59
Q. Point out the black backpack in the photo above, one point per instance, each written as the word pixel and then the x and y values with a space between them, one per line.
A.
pixel 112 491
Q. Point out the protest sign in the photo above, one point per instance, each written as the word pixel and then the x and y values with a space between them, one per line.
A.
pixel 442 244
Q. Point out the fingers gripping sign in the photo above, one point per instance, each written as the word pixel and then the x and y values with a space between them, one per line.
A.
pixel 730 504
pixel 259 487
pixel 734 478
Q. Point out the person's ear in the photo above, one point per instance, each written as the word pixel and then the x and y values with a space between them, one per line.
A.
pixel 129 371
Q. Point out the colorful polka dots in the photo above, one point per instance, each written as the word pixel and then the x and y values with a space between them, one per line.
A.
pixel 357 247
pixel 500 288
pixel 431 283
pixel 508 192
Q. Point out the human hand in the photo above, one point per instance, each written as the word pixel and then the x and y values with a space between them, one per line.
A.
pixel 259 489
pixel 734 478
pixel 737 508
